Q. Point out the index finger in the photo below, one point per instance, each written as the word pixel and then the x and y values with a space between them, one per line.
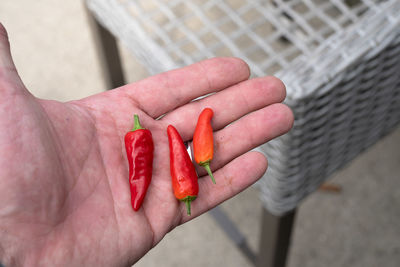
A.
pixel 164 92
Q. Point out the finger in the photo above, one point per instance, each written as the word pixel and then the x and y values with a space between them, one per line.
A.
pixel 162 93
pixel 229 105
pixel 9 79
pixel 233 178
pixel 249 132
pixel 5 55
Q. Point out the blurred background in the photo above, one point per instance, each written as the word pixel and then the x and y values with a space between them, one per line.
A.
pixel 54 53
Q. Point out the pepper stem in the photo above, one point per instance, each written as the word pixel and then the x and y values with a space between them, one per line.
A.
pixel 188 207
pixel 136 125
pixel 206 166
pixel 188 200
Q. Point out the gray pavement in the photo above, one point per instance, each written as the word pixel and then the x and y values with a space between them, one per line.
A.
pixel 359 226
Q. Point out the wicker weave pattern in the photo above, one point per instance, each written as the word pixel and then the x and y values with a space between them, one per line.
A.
pixel 333 127
pixel 340 61
pixel 267 34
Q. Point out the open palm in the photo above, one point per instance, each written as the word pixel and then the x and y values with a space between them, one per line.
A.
pixel 64 189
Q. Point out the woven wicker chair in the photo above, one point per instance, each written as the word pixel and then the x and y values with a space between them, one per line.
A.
pixel 340 61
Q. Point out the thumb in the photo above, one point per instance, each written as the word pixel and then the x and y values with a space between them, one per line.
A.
pixel 9 78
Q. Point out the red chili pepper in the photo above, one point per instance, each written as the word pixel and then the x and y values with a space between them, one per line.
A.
pixel 139 149
pixel 183 173
pixel 203 144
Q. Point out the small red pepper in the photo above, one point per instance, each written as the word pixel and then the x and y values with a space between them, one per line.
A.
pixel 203 144
pixel 139 149
pixel 183 173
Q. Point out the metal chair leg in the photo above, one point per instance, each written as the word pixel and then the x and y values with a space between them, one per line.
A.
pixel 107 50
pixel 232 232
pixel 275 239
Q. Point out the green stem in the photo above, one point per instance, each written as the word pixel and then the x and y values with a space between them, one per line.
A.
pixel 188 207
pixel 188 200
pixel 136 125
pixel 206 165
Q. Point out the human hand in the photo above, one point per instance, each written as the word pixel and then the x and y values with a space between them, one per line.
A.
pixel 64 189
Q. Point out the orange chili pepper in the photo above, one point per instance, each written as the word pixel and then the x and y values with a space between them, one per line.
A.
pixel 203 143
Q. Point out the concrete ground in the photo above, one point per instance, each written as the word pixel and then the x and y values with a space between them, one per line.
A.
pixel 53 51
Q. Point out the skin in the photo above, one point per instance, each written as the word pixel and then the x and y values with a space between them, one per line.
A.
pixel 64 188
